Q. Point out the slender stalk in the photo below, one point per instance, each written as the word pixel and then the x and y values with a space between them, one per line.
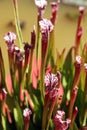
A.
pixel 73 117
pixel 42 82
pixel 84 111
pixel 18 29
pixel 45 112
pixel 72 101
pixel 78 67
pixel 50 113
pixel 30 67
pixel 26 127
pixel 38 38
pixel 2 70
pixel 50 55
pixel 11 67
pixel 44 51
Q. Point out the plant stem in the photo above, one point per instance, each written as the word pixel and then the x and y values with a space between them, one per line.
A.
pixel 50 54
pixel 42 82
pixel 50 113
pixel 30 67
pixel 18 29
pixel 38 37
pixel 45 112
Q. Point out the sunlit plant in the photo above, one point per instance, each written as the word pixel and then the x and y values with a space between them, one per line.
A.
pixel 43 91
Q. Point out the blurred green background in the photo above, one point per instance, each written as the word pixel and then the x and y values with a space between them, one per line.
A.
pixel 65 27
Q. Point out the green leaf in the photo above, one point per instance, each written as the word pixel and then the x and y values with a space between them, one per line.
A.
pixel 79 104
pixel 33 126
pixel 3 122
pixel 75 126
pixel 68 64
pixel 18 116
pixel 68 69
pixel 2 70
pixel 51 126
pixel 35 95
pixel 37 117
